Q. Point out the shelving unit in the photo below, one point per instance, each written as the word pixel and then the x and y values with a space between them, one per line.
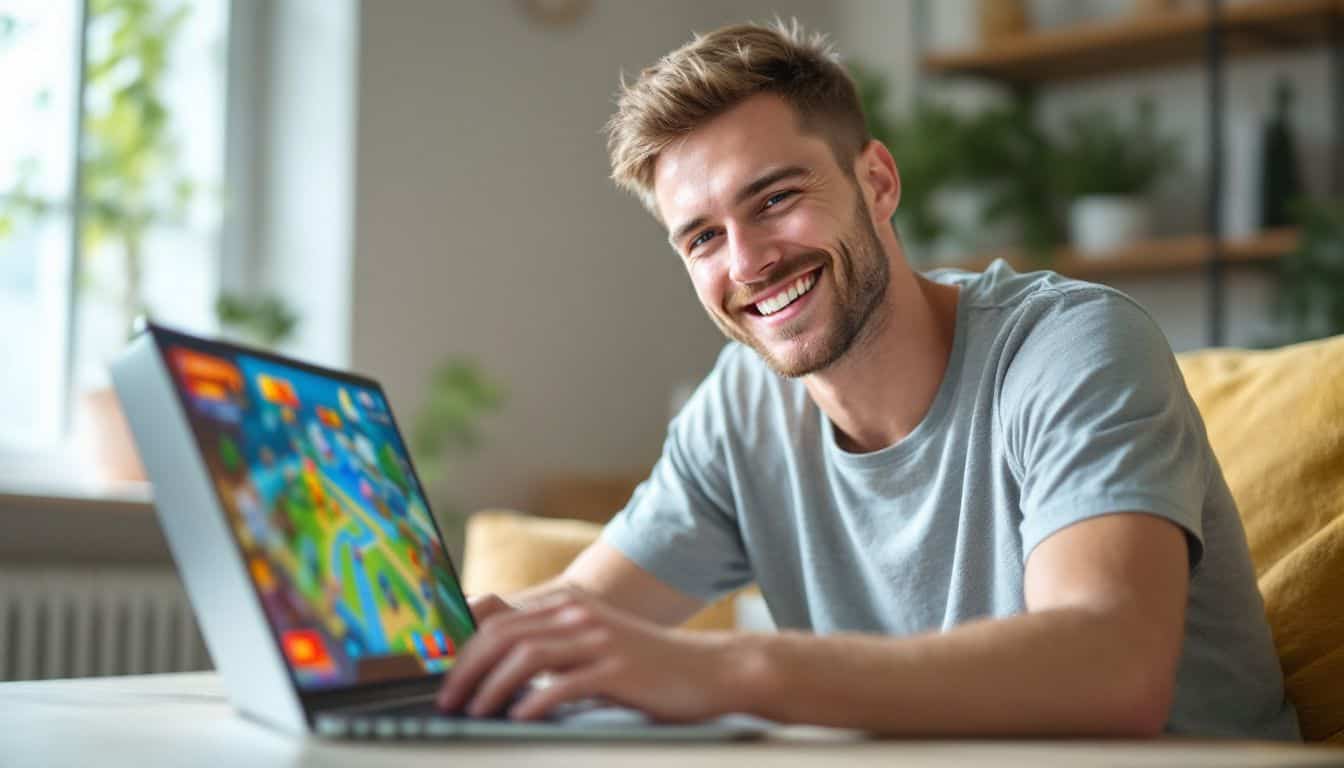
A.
pixel 1151 257
pixel 1140 42
pixel 1150 41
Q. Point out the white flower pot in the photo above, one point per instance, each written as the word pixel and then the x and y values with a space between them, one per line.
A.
pixel 1101 225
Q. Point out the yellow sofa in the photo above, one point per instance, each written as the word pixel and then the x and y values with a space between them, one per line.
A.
pixel 1276 422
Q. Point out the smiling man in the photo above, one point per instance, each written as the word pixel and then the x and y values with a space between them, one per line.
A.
pixel 978 504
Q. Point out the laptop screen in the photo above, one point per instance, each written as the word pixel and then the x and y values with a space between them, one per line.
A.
pixel 328 515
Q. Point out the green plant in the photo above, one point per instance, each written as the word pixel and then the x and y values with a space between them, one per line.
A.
pixel 460 394
pixel 927 145
pixel 1309 296
pixel 1006 146
pixel 128 163
pixel 264 320
pixel 1101 155
pixel 1000 149
pixel 130 154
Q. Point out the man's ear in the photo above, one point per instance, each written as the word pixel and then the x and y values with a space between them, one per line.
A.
pixel 876 172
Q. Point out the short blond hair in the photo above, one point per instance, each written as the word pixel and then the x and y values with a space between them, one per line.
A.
pixel 714 73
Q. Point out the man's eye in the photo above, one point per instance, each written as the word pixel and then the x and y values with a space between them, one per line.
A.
pixel 777 198
pixel 700 239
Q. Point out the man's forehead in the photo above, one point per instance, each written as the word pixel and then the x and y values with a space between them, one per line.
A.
pixel 713 163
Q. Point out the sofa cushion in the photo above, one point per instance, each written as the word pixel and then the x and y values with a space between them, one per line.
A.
pixel 507 552
pixel 1276 422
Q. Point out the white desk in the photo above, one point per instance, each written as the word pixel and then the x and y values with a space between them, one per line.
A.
pixel 185 720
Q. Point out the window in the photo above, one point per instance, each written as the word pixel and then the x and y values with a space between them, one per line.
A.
pixel 136 89
pixel 39 65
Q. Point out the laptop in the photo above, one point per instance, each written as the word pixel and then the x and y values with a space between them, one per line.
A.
pixel 309 552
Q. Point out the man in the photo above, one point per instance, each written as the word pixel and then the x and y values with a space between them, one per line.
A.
pixel 978 504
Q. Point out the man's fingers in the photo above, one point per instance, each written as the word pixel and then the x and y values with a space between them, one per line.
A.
pixel 579 683
pixel 489 645
pixel 485 606
pixel 528 659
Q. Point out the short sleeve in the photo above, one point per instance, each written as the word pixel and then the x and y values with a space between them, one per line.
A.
pixel 679 524
pixel 1097 419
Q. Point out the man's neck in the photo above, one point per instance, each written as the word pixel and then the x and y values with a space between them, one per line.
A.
pixel 885 384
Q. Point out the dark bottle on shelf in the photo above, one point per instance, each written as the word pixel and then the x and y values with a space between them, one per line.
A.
pixel 1281 183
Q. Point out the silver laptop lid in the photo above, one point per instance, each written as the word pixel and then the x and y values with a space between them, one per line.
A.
pixel 330 522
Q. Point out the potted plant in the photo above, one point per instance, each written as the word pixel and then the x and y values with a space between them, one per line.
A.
pixel 969 183
pixel 1105 168
pixel 1011 158
pixel 265 321
pixel 925 151
pixel 927 145
pixel 128 185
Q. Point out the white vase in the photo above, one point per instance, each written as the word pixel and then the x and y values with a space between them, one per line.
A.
pixel 1100 225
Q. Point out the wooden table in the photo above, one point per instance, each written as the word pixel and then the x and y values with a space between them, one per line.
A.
pixel 186 720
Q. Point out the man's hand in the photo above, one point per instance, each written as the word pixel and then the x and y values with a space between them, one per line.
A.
pixel 589 649
pixel 485 606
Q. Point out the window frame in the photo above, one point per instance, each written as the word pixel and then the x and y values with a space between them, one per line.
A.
pixel 65 469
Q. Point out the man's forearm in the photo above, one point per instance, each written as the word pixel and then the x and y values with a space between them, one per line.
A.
pixel 1064 671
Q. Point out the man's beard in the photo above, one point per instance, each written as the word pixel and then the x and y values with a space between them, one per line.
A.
pixel 860 273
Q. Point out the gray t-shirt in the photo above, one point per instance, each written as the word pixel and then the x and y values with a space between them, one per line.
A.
pixel 1061 402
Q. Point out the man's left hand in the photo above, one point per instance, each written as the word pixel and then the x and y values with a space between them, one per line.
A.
pixel 590 649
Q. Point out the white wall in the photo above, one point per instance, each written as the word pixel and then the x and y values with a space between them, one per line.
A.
pixel 486 227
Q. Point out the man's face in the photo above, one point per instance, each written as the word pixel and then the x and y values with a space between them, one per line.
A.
pixel 776 236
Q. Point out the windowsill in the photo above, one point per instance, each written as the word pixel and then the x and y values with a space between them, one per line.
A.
pixel 140 494
pixel 49 523
pixel 63 474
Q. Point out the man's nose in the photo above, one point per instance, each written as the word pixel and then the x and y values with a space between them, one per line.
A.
pixel 751 255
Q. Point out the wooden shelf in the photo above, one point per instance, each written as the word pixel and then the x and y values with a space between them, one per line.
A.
pixel 1141 42
pixel 1168 255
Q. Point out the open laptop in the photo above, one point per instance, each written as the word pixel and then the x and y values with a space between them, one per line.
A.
pixel 306 543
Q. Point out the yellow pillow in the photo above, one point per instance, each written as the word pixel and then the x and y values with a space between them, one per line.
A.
pixel 1276 422
pixel 507 552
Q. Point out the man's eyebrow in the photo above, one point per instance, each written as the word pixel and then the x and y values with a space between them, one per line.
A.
pixel 745 193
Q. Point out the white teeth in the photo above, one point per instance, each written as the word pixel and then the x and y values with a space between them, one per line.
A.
pixel 786 297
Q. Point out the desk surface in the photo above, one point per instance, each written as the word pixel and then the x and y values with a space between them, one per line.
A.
pixel 185 719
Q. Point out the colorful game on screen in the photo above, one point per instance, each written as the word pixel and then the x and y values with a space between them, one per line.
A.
pixel 318 489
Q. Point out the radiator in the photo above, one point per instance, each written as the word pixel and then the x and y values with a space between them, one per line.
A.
pixel 82 622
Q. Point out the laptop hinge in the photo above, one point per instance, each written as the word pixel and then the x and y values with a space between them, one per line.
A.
pixel 363 696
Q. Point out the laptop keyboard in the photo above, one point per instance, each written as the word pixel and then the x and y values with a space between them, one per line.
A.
pixel 422 720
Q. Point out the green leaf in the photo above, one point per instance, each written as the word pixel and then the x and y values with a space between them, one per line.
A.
pixel 459 395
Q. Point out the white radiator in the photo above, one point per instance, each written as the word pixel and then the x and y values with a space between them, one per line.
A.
pixel 80 622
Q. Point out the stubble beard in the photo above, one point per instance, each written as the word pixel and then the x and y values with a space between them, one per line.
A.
pixel 860 274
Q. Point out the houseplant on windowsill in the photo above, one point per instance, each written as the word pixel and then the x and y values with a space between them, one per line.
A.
pixel 129 185
pixel 1105 169
pixel 263 321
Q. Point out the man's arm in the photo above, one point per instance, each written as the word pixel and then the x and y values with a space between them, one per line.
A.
pixel 603 571
pixel 1095 654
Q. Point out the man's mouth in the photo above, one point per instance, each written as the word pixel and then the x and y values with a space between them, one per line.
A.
pixel 788 295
